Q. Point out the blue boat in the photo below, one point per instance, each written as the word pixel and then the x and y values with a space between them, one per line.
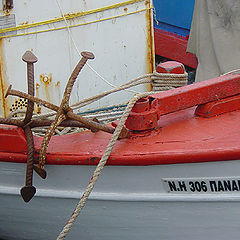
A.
pixel 172 23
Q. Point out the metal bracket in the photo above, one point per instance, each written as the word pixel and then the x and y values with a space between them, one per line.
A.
pixel 181 98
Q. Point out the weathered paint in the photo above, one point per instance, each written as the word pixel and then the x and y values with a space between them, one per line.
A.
pixel 177 138
pixel 174 47
pixel 3 82
pixel 216 108
pixel 134 57
pixel 2 88
pixel 46 78
pixel 47 89
pixel 126 203
pixel 150 55
pixel 45 81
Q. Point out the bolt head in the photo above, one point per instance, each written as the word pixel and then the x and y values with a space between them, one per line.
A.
pixel 88 55
pixel 29 57
pixel 171 67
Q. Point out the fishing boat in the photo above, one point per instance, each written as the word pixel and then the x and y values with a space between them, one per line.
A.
pixel 173 172
pixel 175 175
pixel 172 23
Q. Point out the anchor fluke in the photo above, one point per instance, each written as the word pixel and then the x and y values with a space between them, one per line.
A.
pixel 40 171
pixel 27 193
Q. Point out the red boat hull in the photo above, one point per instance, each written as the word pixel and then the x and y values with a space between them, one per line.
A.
pixel 179 138
pixel 180 135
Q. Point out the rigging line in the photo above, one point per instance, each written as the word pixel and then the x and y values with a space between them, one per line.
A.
pixel 233 71
pixel 76 25
pixel 69 16
pixel 75 45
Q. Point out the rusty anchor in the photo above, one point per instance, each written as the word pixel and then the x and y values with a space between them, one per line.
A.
pixel 64 117
pixel 61 113
pixel 28 191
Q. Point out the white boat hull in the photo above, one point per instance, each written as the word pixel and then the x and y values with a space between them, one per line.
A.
pixel 128 202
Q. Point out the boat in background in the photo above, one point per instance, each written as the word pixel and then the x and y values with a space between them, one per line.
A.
pixel 175 177
pixel 172 23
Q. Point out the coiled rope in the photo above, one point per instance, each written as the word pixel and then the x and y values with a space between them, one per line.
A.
pixel 166 81
pixel 159 81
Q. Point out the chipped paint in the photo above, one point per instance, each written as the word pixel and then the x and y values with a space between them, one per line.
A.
pixel 3 82
pixel 57 84
pixel 127 17
pixel 46 78
pixel 45 82
pixel 150 56
pixel 47 89
pixel 37 107
pixel 2 89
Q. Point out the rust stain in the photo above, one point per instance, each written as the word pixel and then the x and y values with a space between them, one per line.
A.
pixel 57 84
pixel 6 12
pixel 150 57
pixel 38 108
pixel 24 23
pixel 3 102
pixel 3 84
pixel 48 89
pixel 37 86
pixel 46 80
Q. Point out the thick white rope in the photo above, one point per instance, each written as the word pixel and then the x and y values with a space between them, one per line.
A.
pixel 179 78
pixel 100 166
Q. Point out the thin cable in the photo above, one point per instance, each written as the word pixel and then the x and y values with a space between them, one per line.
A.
pixel 69 16
pixel 233 71
pixel 75 45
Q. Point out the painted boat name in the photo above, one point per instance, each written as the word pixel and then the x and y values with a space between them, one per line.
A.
pixel 202 185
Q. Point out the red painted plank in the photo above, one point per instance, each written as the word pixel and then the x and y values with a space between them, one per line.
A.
pixel 198 93
pixel 174 47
